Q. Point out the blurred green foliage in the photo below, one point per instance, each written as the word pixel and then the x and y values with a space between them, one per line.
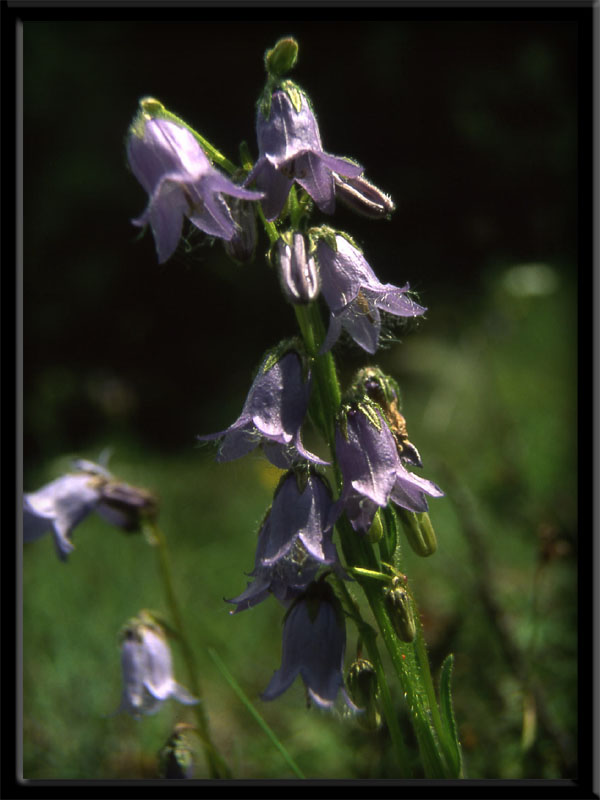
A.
pixel 471 128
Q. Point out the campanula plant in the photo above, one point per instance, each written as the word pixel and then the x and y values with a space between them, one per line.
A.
pixel 329 546
pixel 337 517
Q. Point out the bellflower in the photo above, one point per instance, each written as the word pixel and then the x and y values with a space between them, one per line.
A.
pixel 65 502
pixel 294 541
pixel 287 578
pixel 272 415
pixel 302 509
pixel 314 640
pixel 372 471
pixel 172 167
pixel 148 671
pixel 290 150
pixel 354 294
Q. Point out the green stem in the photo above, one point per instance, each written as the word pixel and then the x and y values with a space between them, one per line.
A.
pixel 357 552
pixel 217 766
pixel 385 699
pixel 327 385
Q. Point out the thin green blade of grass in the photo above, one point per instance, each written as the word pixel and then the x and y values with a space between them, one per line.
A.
pixel 260 721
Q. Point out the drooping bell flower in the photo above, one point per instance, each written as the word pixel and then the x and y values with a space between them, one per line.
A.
pixel 173 168
pixel 354 294
pixel 372 471
pixel 302 509
pixel 272 415
pixel 148 669
pixel 290 150
pixel 65 502
pixel 286 579
pixel 314 641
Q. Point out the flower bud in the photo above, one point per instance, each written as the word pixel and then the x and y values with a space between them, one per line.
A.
pixel 399 608
pixel 176 758
pixel 298 271
pixel 419 531
pixel 358 194
pixel 242 244
pixel 362 688
pixel 375 532
pixel 282 57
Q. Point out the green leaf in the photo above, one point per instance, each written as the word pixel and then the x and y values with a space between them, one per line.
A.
pixel 447 714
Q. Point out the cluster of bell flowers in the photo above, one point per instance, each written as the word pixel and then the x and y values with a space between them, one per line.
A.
pixel 295 541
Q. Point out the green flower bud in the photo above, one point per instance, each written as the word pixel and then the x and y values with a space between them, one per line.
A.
pixel 419 532
pixel 375 532
pixel 399 607
pixel 282 57
pixel 361 683
pixel 176 758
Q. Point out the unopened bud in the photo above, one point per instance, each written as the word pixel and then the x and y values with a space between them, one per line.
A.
pixel 282 57
pixel 375 532
pixel 419 531
pixel 176 758
pixel 363 197
pixel 362 688
pixel 400 611
pixel 298 271
pixel 241 246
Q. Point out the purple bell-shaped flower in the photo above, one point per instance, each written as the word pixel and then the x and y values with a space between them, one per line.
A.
pixel 290 150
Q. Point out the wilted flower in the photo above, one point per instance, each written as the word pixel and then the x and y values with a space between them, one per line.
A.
pixel 384 391
pixel 148 670
pixel 314 640
pixel 290 150
pixel 353 293
pixel 65 502
pixel 372 470
pixel 272 414
pixel 362 196
pixel 172 167
pixel 298 273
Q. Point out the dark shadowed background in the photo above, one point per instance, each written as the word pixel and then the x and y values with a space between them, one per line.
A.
pixel 471 126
